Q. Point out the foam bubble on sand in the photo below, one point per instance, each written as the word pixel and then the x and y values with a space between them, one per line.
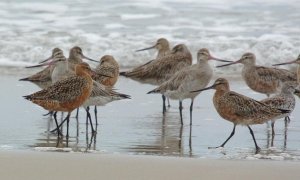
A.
pixel 6 147
pixel 53 149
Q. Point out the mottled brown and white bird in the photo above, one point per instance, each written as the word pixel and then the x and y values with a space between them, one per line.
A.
pixel 110 67
pixel 283 100
pixel 162 46
pixel 262 79
pixel 240 109
pixel 43 78
pixel 161 69
pixel 67 94
pixel 193 77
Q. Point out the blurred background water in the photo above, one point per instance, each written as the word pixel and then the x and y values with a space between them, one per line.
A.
pixel 30 29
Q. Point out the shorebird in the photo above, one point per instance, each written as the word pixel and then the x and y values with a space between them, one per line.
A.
pixel 262 79
pixel 239 109
pixel 43 78
pixel 67 94
pixel 110 67
pixel 161 69
pixel 162 46
pixel 61 69
pixel 283 100
pixel 297 61
pixel 196 76
pixel 76 56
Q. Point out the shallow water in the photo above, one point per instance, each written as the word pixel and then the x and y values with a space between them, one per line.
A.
pixel 137 126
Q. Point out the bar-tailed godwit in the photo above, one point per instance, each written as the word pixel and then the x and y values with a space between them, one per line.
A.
pixel 67 94
pixel 43 78
pixel 283 100
pixel 196 76
pixel 110 67
pixel 297 61
pixel 162 46
pixel 262 79
pixel 161 69
pixel 61 69
pixel 239 109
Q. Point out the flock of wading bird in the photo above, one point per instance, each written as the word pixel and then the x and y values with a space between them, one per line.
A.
pixel 68 83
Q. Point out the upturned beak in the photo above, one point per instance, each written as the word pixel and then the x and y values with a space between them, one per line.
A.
pixel 204 89
pixel 234 62
pixel 42 64
pixel 217 59
pixel 87 58
pixel 152 47
pixel 48 59
pixel 290 62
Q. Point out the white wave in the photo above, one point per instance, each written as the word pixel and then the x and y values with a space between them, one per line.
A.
pixel 114 26
pixel 227 28
pixel 138 16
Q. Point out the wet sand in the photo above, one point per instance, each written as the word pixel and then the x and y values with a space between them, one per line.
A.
pixel 38 165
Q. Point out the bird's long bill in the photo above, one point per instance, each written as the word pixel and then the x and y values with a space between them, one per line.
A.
pixel 48 59
pixel 42 64
pixel 234 62
pixel 152 47
pixel 204 89
pixel 217 59
pixel 87 58
pixel 96 74
pixel 290 62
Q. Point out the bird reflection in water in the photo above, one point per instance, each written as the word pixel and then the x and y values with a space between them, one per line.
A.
pixel 50 141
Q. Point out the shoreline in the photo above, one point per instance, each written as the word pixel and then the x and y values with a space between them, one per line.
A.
pixel 41 165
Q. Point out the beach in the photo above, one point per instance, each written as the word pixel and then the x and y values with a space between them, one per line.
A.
pixel 41 165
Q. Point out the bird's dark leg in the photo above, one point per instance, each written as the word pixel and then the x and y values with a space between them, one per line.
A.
pixel 180 111
pixel 168 99
pixel 190 138
pixel 77 113
pixel 232 133
pixel 287 120
pixel 57 127
pixel 164 103
pixel 49 113
pixel 191 112
pixel 252 134
pixel 68 122
pixel 273 133
pixel 87 116
pixel 95 110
